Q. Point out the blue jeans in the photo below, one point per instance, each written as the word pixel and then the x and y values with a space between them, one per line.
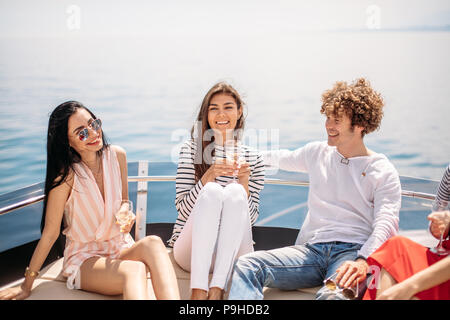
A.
pixel 290 268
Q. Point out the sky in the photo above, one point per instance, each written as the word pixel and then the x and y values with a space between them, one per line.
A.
pixel 215 18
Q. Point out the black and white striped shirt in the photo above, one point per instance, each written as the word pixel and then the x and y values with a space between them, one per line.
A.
pixel 187 189
pixel 443 192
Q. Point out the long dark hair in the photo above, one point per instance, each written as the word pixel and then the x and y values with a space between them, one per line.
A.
pixel 202 125
pixel 60 155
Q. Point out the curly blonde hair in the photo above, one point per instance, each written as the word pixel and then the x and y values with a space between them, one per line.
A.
pixel 362 104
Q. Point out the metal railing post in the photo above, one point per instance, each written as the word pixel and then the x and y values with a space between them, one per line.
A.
pixel 141 202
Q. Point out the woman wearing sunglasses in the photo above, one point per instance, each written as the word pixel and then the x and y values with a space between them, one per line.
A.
pixel 86 181
pixel 217 194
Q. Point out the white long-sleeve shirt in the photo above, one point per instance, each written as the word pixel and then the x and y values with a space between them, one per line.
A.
pixel 357 202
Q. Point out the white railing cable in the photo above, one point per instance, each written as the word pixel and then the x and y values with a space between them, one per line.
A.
pixel 35 199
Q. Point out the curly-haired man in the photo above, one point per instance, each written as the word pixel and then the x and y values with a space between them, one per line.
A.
pixel 354 202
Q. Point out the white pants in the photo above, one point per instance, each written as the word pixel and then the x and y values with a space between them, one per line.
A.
pixel 216 233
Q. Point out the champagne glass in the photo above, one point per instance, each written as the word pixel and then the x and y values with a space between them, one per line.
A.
pixel 233 154
pixel 348 293
pixel 440 205
pixel 124 214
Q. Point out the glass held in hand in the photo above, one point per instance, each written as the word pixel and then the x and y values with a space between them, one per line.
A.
pixel 124 213
pixel 439 206
pixel 237 160
pixel 348 293
pixel 233 155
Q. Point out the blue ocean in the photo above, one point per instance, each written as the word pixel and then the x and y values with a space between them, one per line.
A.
pixel 147 92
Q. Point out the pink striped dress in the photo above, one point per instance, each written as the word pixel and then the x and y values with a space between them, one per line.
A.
pixel 90 220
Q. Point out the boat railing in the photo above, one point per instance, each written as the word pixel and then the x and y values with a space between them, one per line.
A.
pixel 142 192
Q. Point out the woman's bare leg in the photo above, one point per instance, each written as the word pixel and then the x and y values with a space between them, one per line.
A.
pixel 386 281
pixel 152 251
pixel 112 277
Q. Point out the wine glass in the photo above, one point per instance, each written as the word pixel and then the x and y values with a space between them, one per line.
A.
pixel 233 154
pixel 124 214
pixel 348 293
pixel 440 205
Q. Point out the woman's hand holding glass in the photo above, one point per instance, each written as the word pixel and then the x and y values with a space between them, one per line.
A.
pixel 439 226
pixel 244 171
pixel 220 167
pixel 125 216
pixel 440 222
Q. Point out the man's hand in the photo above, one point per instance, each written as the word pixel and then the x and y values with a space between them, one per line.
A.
pixel 351 272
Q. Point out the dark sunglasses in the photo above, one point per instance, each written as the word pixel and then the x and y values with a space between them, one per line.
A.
pixel 94 125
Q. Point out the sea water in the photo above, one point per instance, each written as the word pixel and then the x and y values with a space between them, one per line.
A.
pixel 147 91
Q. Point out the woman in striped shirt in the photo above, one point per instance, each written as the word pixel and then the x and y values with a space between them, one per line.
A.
pixel 215 215
pixel 85 184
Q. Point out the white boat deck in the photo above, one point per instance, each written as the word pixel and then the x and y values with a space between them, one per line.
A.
pixel 51 284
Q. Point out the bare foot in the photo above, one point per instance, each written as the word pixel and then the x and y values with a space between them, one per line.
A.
pixel 199 294
pixel 215 293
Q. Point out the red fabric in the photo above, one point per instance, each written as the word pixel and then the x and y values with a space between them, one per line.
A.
pixel 402 258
